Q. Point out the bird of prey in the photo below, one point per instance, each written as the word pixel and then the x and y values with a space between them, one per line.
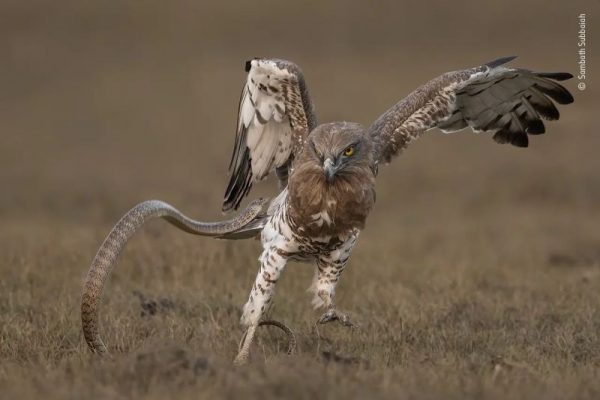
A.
pixel 327 172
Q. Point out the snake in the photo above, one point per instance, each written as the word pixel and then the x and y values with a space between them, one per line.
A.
pixel 106 257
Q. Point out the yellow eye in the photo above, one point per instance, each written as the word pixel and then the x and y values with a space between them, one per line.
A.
pixel 349 151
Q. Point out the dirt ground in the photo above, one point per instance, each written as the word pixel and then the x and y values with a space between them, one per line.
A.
pixel 478 275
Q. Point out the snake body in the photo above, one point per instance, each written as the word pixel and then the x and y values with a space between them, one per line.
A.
pixel 118 237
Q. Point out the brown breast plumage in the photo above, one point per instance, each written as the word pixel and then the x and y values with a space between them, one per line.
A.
pixel 320 208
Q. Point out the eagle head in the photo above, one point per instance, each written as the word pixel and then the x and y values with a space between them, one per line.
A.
pixel 334 177
pixel 339 149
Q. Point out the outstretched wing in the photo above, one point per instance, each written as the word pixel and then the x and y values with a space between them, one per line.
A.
pixel 508 102
pixel 275 116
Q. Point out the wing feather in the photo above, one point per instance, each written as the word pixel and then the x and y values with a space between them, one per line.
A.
pixel 510 103
pixel 274 117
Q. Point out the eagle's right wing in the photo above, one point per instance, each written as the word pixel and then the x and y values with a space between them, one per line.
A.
pixel 274 118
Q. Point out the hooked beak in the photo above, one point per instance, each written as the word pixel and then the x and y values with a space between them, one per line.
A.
pixel 329 169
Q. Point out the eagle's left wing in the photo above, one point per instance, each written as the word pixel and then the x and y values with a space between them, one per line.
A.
pixel 508 102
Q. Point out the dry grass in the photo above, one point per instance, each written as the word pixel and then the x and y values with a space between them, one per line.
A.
pixel 478 275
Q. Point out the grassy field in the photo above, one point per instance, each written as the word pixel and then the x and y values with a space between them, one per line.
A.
pixel 478 275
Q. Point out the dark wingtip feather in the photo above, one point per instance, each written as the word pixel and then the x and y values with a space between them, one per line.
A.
pixel 227 207
pixel 501 136
pixel 520 140
pixel 248 66
pixel 536 127
pixel 233 200
pixel 504 136
pixel 240 183
pixel 564 98
pixel 557 76
pixel 500 61
pixel 557 92
pixel 542 104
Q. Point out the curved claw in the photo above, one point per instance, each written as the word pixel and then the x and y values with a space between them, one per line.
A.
pixel 291 336
pixel 248 338
pixel 333 315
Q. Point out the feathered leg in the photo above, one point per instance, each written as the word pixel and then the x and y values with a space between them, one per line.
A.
pixel 272 264
pixel 326 279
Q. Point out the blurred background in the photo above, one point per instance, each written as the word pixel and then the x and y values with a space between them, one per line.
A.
pixel 107 103
pixel 475 252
